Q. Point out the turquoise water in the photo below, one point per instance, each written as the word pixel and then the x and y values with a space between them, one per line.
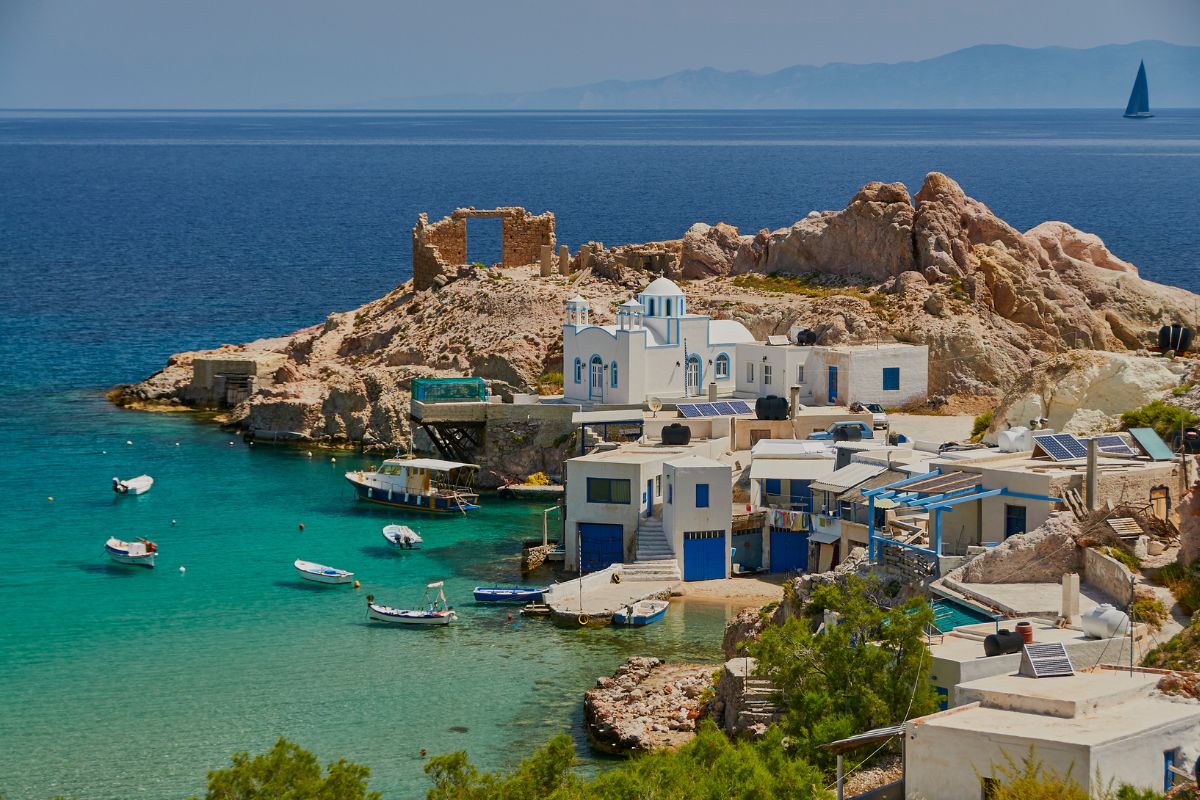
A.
pixel 126 682
pixel 128 237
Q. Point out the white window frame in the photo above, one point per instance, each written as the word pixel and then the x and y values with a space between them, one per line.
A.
pixel 766 374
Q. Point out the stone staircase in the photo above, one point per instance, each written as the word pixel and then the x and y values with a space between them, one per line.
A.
pixel 655 558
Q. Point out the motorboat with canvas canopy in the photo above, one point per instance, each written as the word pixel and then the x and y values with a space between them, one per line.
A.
pixel 402 537
pixel 433 611
pixel 420 484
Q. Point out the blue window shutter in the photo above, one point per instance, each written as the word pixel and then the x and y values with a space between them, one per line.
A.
pixel 578 371
pixel 891 379
pixel 614 374
pixel 701 495
pixel 773 486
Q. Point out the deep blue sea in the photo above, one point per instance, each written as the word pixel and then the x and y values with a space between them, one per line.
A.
pixel 127 237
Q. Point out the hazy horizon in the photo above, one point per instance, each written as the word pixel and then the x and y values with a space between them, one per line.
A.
pixel 312 55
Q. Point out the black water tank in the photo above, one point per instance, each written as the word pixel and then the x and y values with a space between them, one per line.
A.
pixel 805 337
pixel 771 407
pixel 1191 441
pixel 676 434
pixel 1002 642
pixel 1174 337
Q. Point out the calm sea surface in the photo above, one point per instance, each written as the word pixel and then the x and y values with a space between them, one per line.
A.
pixel 127 237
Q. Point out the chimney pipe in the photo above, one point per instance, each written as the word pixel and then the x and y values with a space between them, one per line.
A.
pixel 1090 481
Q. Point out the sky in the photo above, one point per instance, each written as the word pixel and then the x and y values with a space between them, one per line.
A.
pixel 331 54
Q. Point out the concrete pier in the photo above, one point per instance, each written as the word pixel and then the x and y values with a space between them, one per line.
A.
pixel 597 597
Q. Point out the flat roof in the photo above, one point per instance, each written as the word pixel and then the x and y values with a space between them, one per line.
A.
pixel 791 448
pixel 1109 706
pixel 1024 462
pixel 632 455
pixel 959 648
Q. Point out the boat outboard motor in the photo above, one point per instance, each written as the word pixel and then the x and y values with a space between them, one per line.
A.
pixel 119 487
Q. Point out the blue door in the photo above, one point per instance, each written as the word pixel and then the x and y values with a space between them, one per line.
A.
pixel 832 384
pixel 703 555
pixel 801 495
pixel 600 546
pixel 650 497
pixel 1014 520
pixel 789 551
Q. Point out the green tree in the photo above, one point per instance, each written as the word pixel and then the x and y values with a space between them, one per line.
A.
pixel 868 671
pixel 288 772
pixel 710 767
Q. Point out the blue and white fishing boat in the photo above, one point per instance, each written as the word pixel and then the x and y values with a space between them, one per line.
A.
pixel 640 613
pixel 509 594
pixel 320 573
pixel 433 611
pixel 419 484
pixel 139 553
pixel 401 537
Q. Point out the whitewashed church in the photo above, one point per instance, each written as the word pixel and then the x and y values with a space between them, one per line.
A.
pixel 656 349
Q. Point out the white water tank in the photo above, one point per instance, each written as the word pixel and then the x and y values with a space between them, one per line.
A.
pixel 1015 440
pixel 1104 622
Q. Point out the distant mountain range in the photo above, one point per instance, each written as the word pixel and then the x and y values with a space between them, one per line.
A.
pixel 985 76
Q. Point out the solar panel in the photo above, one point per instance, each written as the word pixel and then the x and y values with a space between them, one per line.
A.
pixel 1060 446
pixel 1048 660
pixel 688 410
pixel 740 406
pixel 724 409
pixel 1114 445
pixel 1151 444
pixel 1076 447
pixel 707 410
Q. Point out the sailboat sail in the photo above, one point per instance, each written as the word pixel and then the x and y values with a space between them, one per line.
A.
pixel 1139 98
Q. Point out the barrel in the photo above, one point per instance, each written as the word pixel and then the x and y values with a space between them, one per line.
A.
pixel 1175 337
pixel 676 433
pixel 771 407
pixel 1002 642
pixel 1191 440
pixel 805 337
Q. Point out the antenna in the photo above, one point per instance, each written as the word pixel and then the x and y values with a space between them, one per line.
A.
pixel 655 405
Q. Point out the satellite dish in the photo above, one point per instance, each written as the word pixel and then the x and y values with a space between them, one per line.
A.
pixel 655 405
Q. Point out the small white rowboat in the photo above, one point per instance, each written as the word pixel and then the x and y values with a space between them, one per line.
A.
pixel 321 573
pixel 140 553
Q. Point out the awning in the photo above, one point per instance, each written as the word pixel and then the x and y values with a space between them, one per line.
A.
pixel 848 477
pixel 824 537
pixel 885 502
pixel 791 469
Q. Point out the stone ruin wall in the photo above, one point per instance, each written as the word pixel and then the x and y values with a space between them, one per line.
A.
pixel 440 248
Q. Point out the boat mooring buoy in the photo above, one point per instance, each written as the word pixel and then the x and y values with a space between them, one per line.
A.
pixel 301 526
pixel 50 499
pixel 424 752
pixel 357 585
pixel 128 441
pixel 172 522
pixel 333 461
pixel 182 569
pixel 308 453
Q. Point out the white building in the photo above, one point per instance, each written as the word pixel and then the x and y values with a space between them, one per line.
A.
pixel 889 374
pixel 655 349
pixel 1102 723
pixel 650 503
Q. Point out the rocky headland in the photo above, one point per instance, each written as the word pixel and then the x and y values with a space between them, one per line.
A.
pixel 939 268
pixel 646 705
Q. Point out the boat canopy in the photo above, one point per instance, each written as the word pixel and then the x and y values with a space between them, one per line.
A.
pixel 393 465
pixel 435 585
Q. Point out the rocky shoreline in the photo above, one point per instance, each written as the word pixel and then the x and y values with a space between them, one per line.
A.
pixel 936 268
pixel 647 705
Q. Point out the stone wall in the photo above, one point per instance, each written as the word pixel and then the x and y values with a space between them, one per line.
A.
pixel 440 246
pixel 1108 575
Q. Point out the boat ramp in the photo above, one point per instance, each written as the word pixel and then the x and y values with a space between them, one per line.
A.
pixel 593 598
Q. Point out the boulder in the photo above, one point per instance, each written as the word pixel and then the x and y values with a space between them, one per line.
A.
pixel 1066 247
pixel 1085 392
pixel 709 250
pixel 1042 555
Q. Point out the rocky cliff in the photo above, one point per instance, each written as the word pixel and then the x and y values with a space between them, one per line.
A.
pixel 936 267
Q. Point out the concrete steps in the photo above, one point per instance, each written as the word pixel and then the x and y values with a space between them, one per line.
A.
pixel 652 544
pixel 665 569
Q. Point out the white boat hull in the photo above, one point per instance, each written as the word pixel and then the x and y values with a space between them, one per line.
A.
pixel 397 616
pixel 138 554
pixel 319 573
pixel 134 486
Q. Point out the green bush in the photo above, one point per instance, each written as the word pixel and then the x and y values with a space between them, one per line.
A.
pixel 980 426
pixel 288 770
pixel 1128 559
pixel 1032 780
pixel 1150 610
pixel 1165 419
